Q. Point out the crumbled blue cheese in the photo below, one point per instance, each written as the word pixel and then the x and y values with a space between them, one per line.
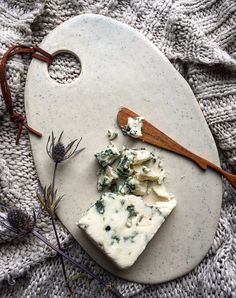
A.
pixel 107 156
pixel 124 166
pixel 106 178
pixel 134 186
pixel 132 157
pixel 141 156
pixel 123 189
pixel 122 226
pixel 111 134
pixel 134 127
pixel 161 175
pixel 162 194
pixel 144 173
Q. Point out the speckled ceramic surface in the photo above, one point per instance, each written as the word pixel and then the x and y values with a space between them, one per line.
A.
pixel 121 67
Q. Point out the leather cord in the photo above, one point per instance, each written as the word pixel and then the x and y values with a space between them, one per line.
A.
pixel 17 117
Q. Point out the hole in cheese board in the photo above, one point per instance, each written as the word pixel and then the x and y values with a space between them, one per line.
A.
pixel 65 68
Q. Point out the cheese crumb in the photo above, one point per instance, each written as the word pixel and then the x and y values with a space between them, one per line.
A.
pixel 111 134
pixel 134 127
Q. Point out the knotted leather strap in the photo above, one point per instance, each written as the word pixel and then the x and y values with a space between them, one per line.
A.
pixel 17 117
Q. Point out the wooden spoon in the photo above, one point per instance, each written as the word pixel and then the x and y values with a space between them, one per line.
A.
pixel 154 136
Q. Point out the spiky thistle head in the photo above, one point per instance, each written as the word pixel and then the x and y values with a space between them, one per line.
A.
pixel 58 152
pixel 20 220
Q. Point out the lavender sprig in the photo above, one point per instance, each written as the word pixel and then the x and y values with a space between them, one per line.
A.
pixel 20 230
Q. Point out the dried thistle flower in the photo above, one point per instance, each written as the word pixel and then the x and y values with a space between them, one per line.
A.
pixel 58 152
pixel 21 220
pixel 49 200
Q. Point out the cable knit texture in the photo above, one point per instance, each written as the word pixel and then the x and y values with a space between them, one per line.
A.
pixel 199 38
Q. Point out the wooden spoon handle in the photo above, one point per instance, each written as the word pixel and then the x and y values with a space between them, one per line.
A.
pixel 154 136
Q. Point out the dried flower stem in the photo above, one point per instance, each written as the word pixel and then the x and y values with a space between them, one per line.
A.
pixel 55 231
pixel 60 252
pixel 58 152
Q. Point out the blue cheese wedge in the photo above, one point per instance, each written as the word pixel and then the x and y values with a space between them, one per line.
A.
pixel 134 127
pixel 166 206
pixel 106 178
pixel 107 156
pixel 145 173
pixel 122 225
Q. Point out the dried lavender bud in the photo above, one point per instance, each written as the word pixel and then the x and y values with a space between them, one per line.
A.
pixel 20 220
pixel 58 152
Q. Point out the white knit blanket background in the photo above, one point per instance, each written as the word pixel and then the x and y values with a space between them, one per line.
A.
pixel 199 38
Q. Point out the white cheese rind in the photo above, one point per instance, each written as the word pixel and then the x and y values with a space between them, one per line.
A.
pixel 122 226
pixel 166 206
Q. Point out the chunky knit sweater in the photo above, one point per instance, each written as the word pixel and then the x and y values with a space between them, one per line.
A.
pixel 199 38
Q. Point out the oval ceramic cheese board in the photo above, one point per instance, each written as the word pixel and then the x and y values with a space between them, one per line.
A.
pixel 120 67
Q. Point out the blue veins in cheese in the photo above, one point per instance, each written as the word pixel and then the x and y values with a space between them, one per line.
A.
pixel 134 127
pixel 108 155
pixel 106 178
pixel 132 157
pixel 134 186
pixel 122 225
pixel 124 166
pixel 133 166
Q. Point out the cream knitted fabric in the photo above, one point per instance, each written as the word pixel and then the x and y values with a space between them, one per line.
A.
pixel 199 38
